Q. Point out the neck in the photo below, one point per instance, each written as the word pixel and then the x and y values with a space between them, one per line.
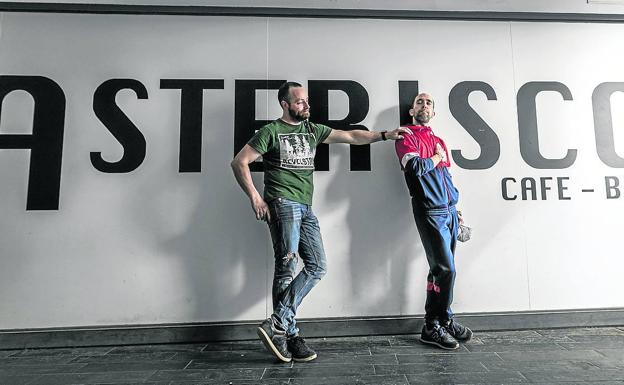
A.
pixel 417 123
pixel 287 119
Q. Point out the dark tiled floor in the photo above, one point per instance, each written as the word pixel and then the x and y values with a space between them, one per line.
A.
pixel 562 356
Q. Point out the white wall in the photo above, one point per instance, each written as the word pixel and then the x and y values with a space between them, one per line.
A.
pixel 159 246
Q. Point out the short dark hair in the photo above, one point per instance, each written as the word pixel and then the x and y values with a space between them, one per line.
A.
pixel 283 92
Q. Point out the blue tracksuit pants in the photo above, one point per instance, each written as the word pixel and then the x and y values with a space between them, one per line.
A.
pixel 438 232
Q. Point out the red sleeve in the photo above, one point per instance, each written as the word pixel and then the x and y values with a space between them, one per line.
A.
pixel 407 148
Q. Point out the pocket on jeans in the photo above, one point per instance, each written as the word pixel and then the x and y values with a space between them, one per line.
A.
pixel 285 210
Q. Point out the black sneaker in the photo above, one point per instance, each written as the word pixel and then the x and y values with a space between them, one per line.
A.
pixel 437 335
pixel 300 351
pixel 458 331
pixel 274 340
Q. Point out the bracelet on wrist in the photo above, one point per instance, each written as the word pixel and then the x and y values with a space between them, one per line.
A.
pixel 383 135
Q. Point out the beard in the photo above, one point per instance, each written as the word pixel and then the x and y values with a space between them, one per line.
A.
pixel 423 117
pixel 299 116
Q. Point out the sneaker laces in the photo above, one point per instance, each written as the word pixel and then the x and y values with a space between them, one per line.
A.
pixel 438 332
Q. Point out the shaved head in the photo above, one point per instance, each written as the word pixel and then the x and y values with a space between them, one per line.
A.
pixel 422 109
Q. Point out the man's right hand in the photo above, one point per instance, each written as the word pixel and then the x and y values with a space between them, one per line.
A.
pixel 260 208
pixel 440 152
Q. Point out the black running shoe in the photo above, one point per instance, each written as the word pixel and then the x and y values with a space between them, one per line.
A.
pixel 458 331
pixel 300 351
pixel 437 335
pixel 274 340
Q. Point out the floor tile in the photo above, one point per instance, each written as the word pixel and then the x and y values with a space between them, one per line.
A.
pixel 349 380
pixel 300 371
pixel 591 345
pixel 467 378
pixel 158 348
pixel 207 374
pixel 578 375
pixel 39 369
pixel 55 352
pixel 606 331
pixel 437 367
pixel 551 355
pixel 507 347
pixel 16 379
pixel 109 367
pixel 133 357
pixel 232 382
pixel 92 378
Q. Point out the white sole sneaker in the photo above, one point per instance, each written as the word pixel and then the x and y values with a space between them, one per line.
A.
pixel 438 345
pixel 266 340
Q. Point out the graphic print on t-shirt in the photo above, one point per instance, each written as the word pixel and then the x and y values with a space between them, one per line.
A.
pixel 296 152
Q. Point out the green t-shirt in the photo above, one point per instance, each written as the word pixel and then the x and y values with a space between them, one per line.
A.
pixel 288 156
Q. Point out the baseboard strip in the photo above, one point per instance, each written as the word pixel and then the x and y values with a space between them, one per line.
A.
pixel 326 327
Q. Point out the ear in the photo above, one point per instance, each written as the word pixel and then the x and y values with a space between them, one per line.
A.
pixel 284 104
pixel 411 112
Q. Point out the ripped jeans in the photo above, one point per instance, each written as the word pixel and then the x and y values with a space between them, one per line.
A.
pixel 295 233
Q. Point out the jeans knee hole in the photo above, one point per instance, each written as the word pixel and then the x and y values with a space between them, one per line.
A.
pixel 290 256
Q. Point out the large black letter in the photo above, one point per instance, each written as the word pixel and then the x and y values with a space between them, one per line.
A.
pixel 474 125
pixel 527 125
pixel 603 123
pixel 358 109
pixel 245 123
pixel 408 90
pixel 191 118
pixel 126 133
pixel 46 140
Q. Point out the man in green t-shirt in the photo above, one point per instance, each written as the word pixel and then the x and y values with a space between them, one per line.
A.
pixel 287 146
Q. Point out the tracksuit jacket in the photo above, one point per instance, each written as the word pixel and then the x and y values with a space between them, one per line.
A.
pixel 430 188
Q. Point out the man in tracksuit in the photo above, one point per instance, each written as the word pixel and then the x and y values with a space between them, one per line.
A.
pixel 424 159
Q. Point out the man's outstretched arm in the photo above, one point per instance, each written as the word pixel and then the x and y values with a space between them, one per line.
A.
pixel 363 136
pixel 242 173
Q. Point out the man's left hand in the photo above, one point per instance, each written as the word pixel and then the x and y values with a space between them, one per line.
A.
pixel 397 133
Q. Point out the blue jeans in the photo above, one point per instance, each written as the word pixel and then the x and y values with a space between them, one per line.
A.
pixel 438 233
pixel 295 233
